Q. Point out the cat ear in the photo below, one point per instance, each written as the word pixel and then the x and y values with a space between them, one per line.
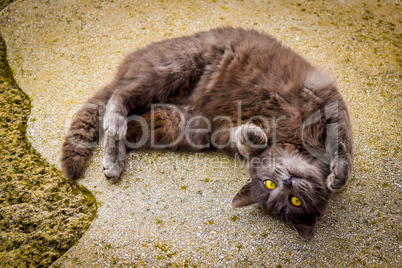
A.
pixel 318 80
pixel 243 197
pixel 305 229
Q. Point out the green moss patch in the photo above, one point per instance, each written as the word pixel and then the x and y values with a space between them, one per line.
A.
pixel 41 214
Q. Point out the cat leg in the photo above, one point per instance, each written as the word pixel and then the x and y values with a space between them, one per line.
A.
pixel 249 139
pixel 115 127
pixel 155 74
pixel 341 155
pixel 159 128
pixel 114 158
pixel 341 167
pixel 115 119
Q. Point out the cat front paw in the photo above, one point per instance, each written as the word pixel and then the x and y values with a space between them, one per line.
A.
pixel 334 183
pixel 115 124
pixel 340 173
pixel 249 138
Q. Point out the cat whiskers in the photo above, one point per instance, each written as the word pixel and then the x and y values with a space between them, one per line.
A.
pixel 313 202
pixel 304 203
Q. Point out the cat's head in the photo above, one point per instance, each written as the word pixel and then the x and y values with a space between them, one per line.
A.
pixel 287 184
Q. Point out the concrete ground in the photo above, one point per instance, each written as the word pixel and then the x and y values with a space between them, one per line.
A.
pixel 174 209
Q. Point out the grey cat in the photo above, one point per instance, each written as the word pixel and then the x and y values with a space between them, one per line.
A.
pixel 233 90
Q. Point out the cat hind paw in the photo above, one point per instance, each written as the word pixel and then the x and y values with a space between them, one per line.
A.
pixel 112 170
pixel 113 159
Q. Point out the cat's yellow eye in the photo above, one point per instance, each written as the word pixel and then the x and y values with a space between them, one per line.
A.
pixel 270 184
pixel 295 201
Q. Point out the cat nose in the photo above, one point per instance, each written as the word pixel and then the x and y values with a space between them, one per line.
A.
pixel 288 182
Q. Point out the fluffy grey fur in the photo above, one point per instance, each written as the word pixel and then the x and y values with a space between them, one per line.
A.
pixel 233 90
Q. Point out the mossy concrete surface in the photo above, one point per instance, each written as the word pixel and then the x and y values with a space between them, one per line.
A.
pixel 174 209
pixel 41 214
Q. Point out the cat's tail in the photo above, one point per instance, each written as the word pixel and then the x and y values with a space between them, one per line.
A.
pixel 83 134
